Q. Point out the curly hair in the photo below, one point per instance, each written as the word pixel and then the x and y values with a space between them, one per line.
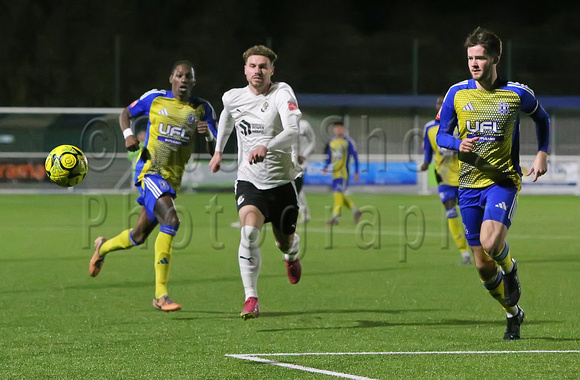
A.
pixel 260 50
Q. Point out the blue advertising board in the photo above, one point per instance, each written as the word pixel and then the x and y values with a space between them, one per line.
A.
pixel 371 173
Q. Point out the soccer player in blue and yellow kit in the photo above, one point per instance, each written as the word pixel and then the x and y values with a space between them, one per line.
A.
pixel 447 176
pixel 486 111
pixel 339 151
pixel 175 119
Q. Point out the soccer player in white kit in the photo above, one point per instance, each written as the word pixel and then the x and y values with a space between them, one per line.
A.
pixel 266 117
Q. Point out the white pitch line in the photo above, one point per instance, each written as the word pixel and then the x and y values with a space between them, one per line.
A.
pixel 299 367
pixel 259 358
pixel 419 353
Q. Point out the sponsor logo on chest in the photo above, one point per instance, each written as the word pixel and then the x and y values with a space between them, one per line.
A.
pixel 171 131
pixel 247 128
pixel 483 126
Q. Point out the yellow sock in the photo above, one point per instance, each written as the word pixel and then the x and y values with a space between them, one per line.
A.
pixel 347 202
pixel 338 201
pixel 495 288
pixel 121 241
pixel 456 230
pixel 504 259
pixel 163 251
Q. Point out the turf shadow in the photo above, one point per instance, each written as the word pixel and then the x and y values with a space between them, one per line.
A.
pixel 374 324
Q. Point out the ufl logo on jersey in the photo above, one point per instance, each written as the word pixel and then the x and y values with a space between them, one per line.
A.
pixel 503 108
pixel 172 132
pixel 339 153
pixel 483 126
pixel 265 106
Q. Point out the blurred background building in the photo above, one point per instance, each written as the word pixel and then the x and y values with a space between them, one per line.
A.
pixel 378 64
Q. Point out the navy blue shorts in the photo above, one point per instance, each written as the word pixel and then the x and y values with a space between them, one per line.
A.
pixel 447 192
pixel 339 185
pixel 491 203
pixel 152 187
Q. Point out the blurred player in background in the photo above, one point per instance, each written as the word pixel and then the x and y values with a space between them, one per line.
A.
pixel 176 118
pixel 266 116
pixel 303 150
pixel 447 176
pixel 339 151
pixel 486 110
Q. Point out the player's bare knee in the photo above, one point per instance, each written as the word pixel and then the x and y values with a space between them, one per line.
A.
pixel 172 220
pixel 492 246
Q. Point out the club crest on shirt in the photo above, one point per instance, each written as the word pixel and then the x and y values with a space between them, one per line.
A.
pixel 191 118
pixel 163 185
pixel 503 108
pixel 265 106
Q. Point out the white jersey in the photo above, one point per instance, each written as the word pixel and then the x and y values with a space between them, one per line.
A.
pixel 258 119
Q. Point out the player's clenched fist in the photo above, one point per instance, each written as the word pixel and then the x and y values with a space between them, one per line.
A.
pixel 215 162
pixel 467 144
pixel 258 154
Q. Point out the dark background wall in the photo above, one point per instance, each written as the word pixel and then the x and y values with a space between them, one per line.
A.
pixel 107 53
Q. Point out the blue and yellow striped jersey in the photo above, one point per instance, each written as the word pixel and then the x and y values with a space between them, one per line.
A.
pixel 446 160
pixel 171 132
pixel 493 116
pixel 339 151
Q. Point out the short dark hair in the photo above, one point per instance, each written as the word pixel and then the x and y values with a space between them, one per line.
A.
pixel 487 39
pixel 338 123
pixel 181 62
pixel 260 50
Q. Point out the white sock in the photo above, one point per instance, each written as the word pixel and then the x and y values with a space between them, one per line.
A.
pixel 249 260
pixel 292 253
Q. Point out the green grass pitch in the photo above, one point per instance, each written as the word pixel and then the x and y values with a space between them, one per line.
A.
pixel 392 286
